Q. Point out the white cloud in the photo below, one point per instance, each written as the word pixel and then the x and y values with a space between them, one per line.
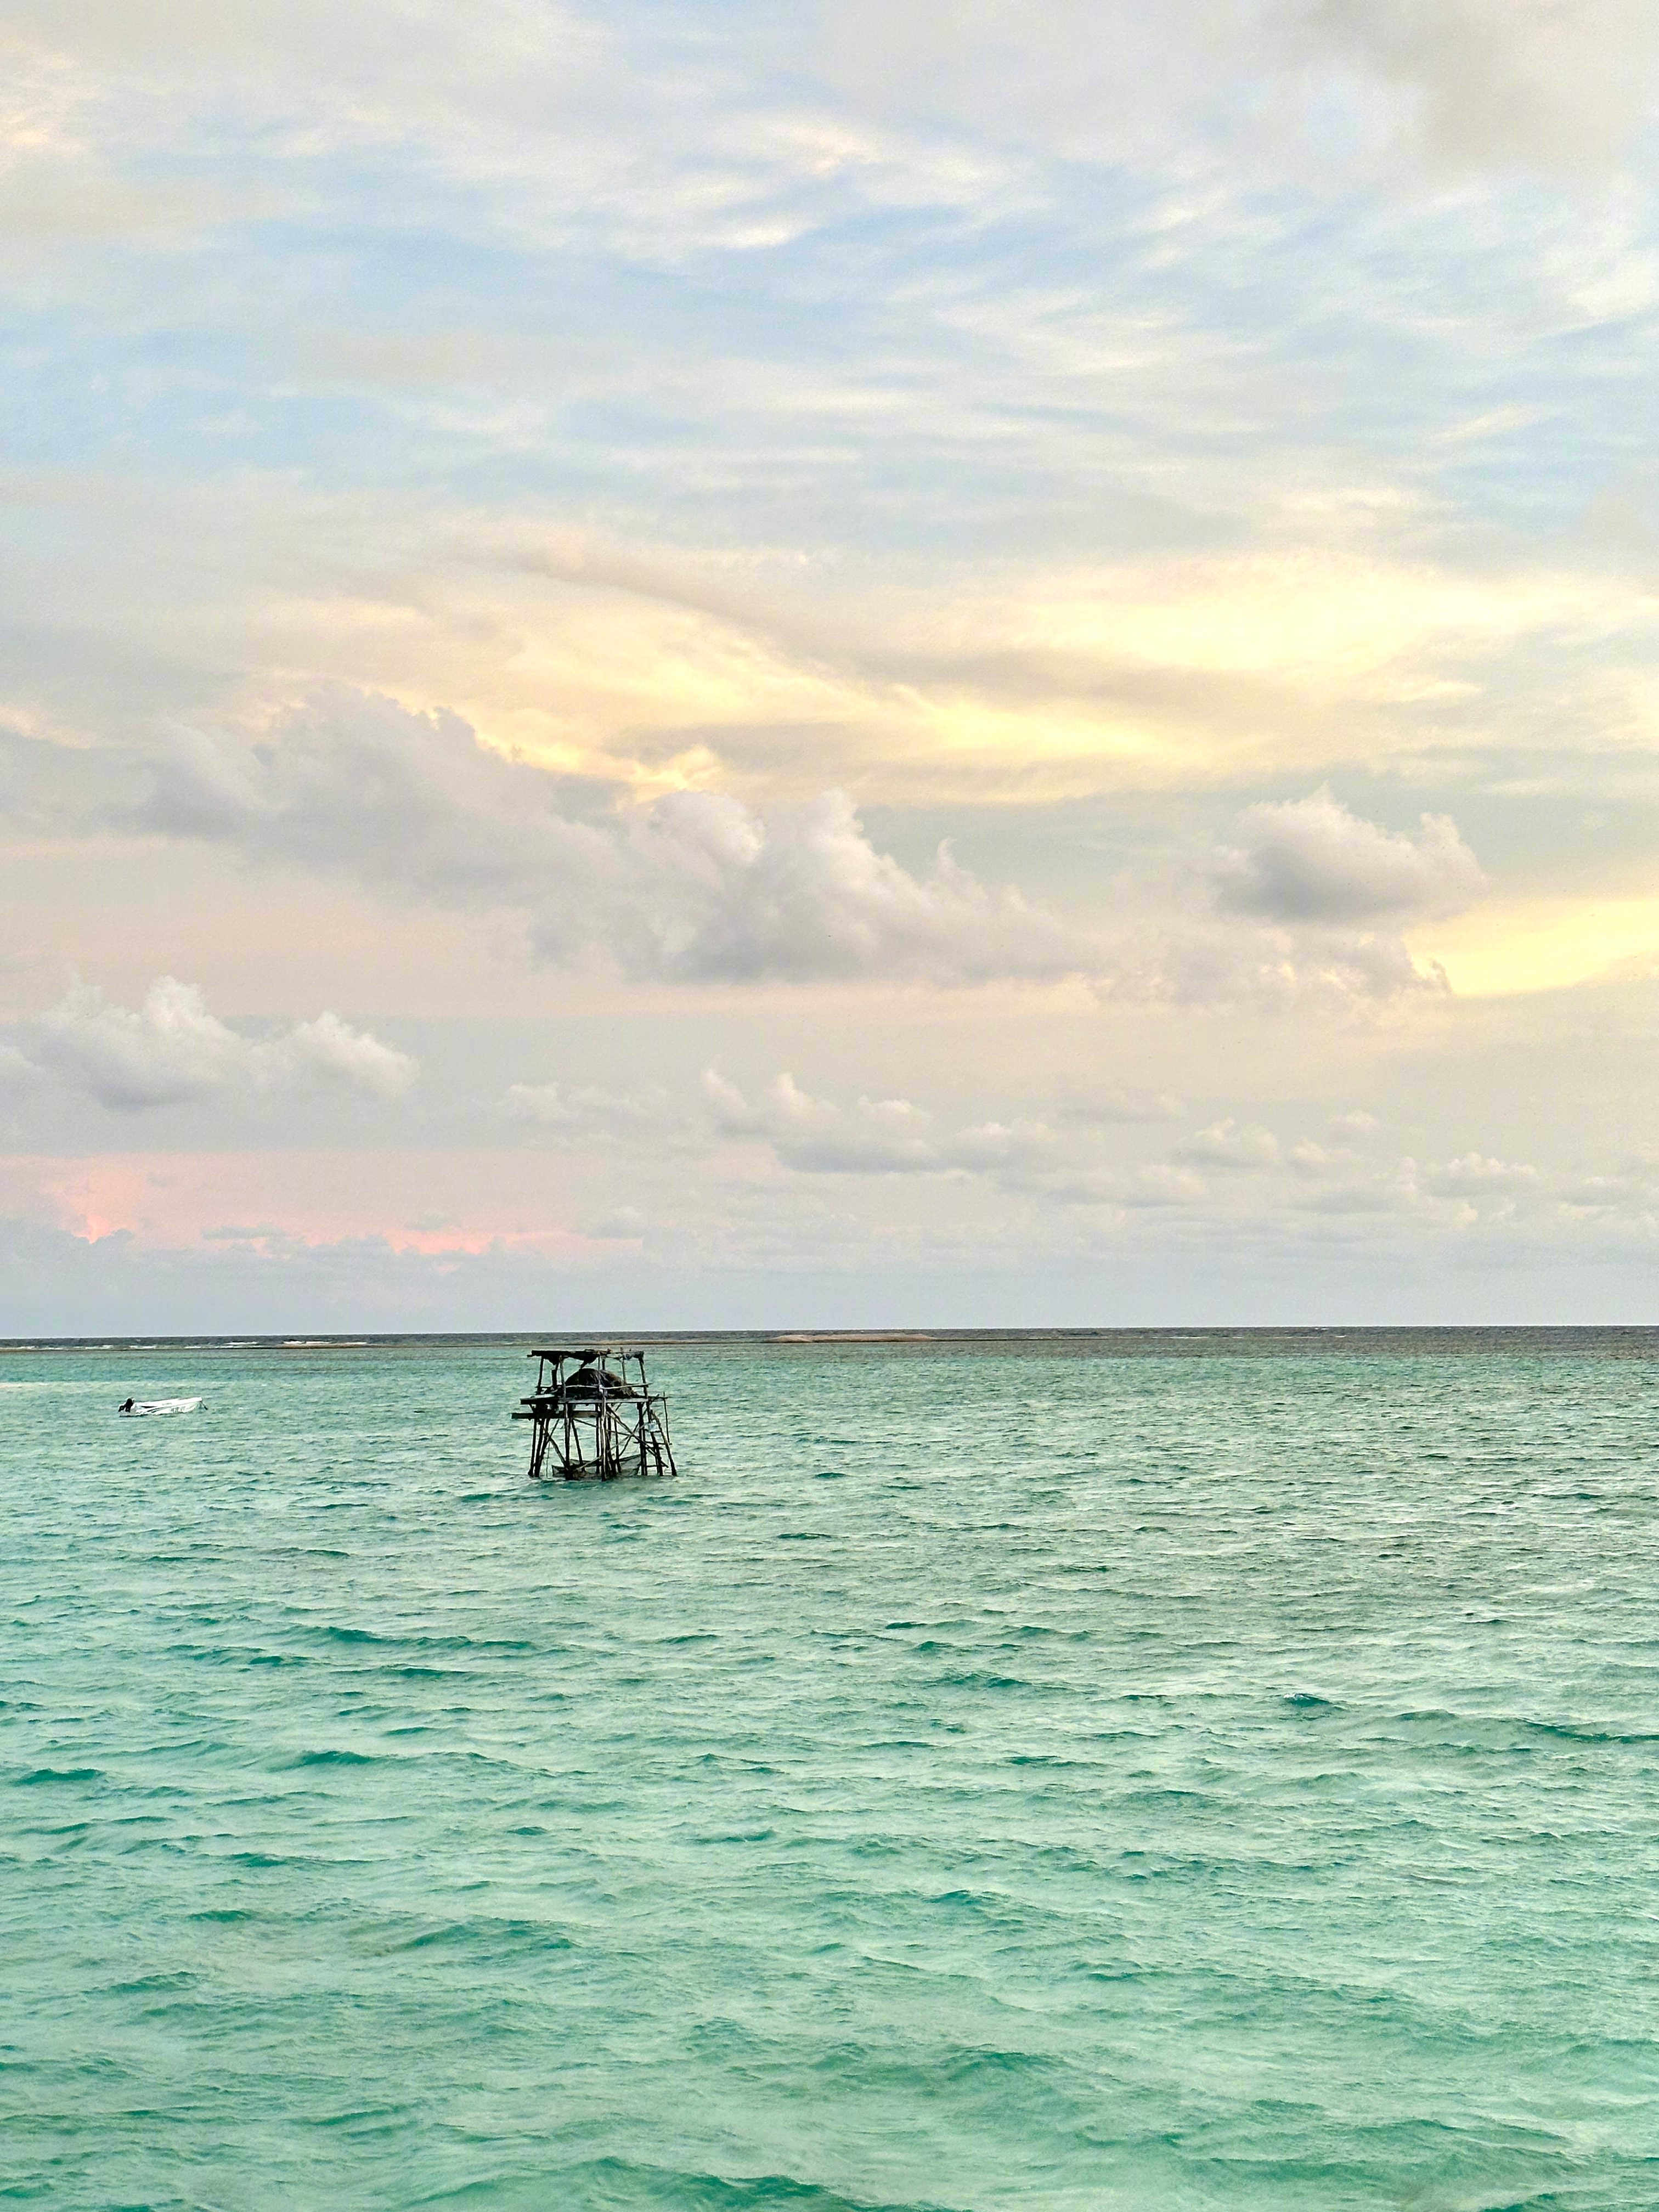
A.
pixel 696 888
pixel 330 1047
pixel 814 1135
pixel 622 1225
pixel 699 887
pixel 1232 1144
pixel 583 1106
pixel 1473 1190
pixel 1156 1183
pixel 171 1050
pixel 1441 85
pixel 807 896
pixel 1505 83
pixel 1377 1194
pixel 1476 1176
pixel 17 1072
pixel 1312 860
pixel 1629 1192
pixel 1244 962
pixel 1235 1177
pixel 873 1136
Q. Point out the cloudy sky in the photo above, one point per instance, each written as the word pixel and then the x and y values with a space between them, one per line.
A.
pixel 701 664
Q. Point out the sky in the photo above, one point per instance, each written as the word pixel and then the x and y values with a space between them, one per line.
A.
pixel 712 666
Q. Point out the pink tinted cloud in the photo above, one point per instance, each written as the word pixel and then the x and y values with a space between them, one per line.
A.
pixel 427 1202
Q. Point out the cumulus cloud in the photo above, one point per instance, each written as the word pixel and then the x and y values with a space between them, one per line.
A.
pixel 696 888
pixel 1230 1172
pixel 813 1135
pixel 1312 860
pixel 1232 1144
pixel 873 1136
pixel 1478 1175
pixel 330 1047
pixel 1474 1189
pixel 1232 1177
pixel 1630 1190
pixel 583 1106
pixel 17 1071
pixel 171 1049
pixel 1246 963
pixel 1157 1182
pixel 808 897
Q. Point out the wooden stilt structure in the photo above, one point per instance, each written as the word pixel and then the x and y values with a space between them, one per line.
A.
pixel 595 1417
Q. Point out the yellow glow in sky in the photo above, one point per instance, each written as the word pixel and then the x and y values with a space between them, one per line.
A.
pixel 1540 945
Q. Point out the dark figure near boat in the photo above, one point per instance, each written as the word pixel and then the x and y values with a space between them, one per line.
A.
pixel 595 1417
pixel 126 1408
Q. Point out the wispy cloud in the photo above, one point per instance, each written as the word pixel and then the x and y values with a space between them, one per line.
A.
pixel 1027 564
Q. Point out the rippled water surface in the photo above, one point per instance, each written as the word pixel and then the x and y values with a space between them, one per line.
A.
pixel 1189 1772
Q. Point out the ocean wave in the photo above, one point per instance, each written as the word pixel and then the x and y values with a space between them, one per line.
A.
pixel 618 2185
pixel 376 1638
pixel 484 1936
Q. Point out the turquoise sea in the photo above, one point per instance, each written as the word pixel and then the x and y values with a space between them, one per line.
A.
pixel 1203 1770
